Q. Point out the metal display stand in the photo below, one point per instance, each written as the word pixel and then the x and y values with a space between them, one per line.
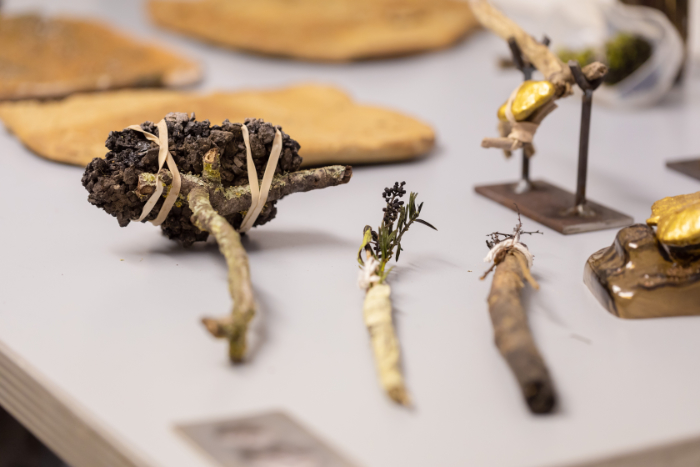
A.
pixel 689 167
pixel 558 209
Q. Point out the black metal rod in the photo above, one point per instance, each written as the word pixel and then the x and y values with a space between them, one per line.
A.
pixel 583 147
pixel 525 174
pixel 526 167
pixel 526 69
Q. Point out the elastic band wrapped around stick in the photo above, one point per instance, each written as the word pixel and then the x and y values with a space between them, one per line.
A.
pixel 210 197
pixel 259 194
pixel 163 156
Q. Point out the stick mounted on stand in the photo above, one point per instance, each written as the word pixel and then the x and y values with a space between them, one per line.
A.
pixel 519 118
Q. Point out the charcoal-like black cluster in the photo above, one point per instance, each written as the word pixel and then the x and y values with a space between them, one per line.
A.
pixel 393 206
pixel 111 181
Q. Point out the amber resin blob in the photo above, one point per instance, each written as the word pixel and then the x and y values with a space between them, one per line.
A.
pixel 647 274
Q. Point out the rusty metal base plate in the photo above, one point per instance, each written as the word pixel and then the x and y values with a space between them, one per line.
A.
pixel 548 205
pixel 266 440
pixel 689 167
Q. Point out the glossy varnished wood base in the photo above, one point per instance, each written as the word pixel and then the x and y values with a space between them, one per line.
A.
pixel 548 205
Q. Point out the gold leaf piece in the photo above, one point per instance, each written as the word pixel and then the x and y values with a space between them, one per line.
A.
pixel 677 220
pixel 531 96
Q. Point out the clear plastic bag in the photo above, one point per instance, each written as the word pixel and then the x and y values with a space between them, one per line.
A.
pixel 650 82
pixel 581 24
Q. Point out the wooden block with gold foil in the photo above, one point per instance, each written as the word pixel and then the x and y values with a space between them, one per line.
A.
pixel 54 57
pixel 647 274
pixel 321 30
pixel 677 220
pixel 329 125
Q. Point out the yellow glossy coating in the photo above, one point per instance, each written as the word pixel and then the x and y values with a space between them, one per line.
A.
pixel 531 96
pixel 677 220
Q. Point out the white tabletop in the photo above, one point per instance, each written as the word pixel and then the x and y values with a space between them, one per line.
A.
pixel 106 319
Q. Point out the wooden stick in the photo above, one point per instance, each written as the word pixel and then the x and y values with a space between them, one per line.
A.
pixel 210 202
pixel 234 327
pixel 512 333
pixel 235 199
pixel 546 61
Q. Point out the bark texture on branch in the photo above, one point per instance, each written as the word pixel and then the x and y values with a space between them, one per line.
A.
pixel 232 200
pixel 235 327
pixel 546 61
pixel 541 57
pixel 387 354
pixel 215 194
pixel 206 155
pixel 512 333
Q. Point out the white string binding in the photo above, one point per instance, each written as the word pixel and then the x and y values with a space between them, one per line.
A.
pixel 368 273
pixel 510 243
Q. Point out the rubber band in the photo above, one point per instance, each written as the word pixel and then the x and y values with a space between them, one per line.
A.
pixel 163 156
pixel 259 194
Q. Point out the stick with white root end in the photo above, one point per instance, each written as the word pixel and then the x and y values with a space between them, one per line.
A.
pixel 512 333
pixel 387 355
pixel 379 248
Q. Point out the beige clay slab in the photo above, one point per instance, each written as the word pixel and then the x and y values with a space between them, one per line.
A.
pixel 322 30
pixel 329 125
pixel 54 57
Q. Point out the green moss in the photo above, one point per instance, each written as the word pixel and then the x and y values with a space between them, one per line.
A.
pixel 624 54
pixel 208 173
pixel 234 192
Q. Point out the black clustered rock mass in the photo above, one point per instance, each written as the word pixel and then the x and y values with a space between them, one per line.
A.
pixel 111 181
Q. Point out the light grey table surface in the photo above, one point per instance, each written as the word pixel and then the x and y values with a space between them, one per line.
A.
pixel 107 319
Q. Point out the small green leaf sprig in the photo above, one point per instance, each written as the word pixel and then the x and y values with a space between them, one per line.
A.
pixel 398 218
